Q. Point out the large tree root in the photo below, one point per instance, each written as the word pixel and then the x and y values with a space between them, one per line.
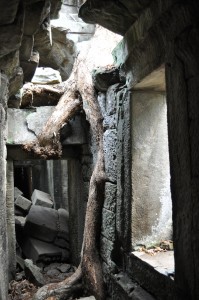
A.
pixel 78 87
pixel 70 287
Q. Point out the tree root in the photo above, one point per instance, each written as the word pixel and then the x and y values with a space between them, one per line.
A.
pixel 70 287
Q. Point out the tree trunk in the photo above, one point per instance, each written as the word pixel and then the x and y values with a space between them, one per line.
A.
pixel 80 91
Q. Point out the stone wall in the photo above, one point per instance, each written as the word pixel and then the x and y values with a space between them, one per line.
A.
pixel 165 33
pixel 4 262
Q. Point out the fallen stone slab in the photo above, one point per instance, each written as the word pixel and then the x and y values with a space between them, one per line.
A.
pixel 33 273
pixel 17 192
pixel 40 251
pixel 23 203
pixel 41 198
pixel 41 223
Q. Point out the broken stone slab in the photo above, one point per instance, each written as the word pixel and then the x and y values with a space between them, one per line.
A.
pixel 41 223
pixel 46 76
pixel 41 198
pixel 33 273
pixel 40 251
pixel 23 203
pixel 17 192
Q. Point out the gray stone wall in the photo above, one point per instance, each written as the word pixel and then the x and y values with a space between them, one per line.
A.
pixel 166 33
pixel 3 223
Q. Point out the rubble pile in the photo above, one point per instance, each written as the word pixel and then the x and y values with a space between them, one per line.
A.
pixel 42 233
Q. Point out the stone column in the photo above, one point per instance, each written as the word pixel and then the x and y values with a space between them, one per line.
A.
pixel 11 220
pixel 3 224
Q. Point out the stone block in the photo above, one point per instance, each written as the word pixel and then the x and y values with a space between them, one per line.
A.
pixel 108 224
pixel 41 223
pixel 41 198
pixel 20 220
pixel 110 144
pixel 33 273
pixel 41 251
pixel 17 192
pixel 23 203
pixel 106 252
pixel 63 228
pixel 110 196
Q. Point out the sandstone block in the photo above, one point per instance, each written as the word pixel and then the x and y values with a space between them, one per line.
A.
pixel 33 273
pixel 42 199
pixel 40 251
pixel 23 203
pixel 41 223
pixel 17 192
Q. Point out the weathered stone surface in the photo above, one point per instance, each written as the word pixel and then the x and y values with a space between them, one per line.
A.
pixel 41 223
pixel 108 224
pixel 37 119
pixel 17 192
pixel 23 203
pixel 16 82
pixel 106 252
pixel 110 196
pixel 41 198
pixel 33 273
pixel 35 14
pixel 10 219
pixel 110 142
pixel 3 223
pixel 103 78
pixel 11 34
pixel 56 56
pixel 26 47
pixel 46 76
pixel 17 126
pixel 8 12
pixel 114 16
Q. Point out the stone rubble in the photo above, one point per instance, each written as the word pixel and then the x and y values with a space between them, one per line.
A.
pixel 42 232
